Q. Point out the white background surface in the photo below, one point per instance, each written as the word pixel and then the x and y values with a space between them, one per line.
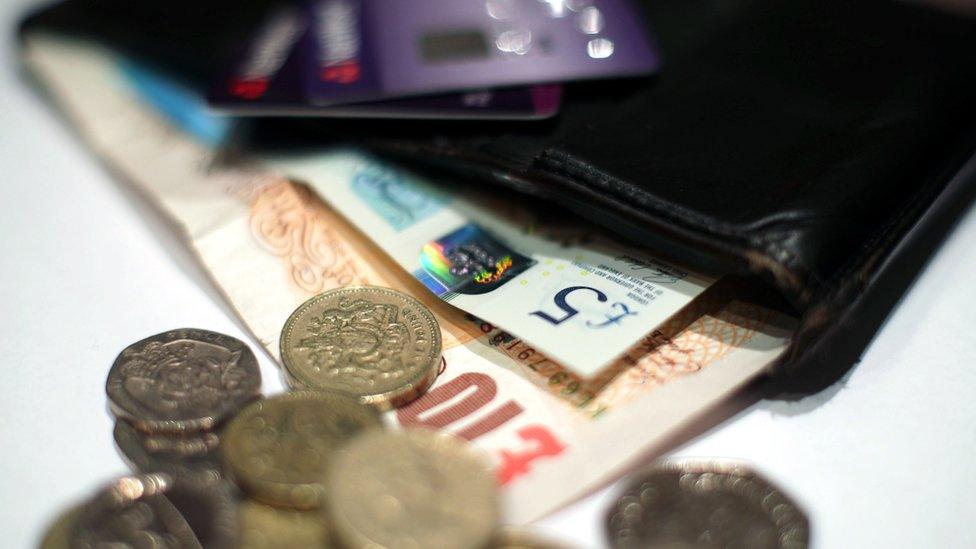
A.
pixel 882 459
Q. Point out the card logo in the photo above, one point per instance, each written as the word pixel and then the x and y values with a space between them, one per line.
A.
pixel 266 55
pixel 337 34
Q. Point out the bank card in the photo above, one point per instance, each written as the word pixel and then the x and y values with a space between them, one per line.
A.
pixel 269 80
pixel 372 49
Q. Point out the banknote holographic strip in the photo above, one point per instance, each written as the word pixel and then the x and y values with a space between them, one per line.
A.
pixel 469 261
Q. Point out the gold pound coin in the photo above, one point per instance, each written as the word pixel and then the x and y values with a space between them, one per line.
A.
pixel 411 489
pixel 266 527
pixel 278 450
pixel 705 503
pixel 378 344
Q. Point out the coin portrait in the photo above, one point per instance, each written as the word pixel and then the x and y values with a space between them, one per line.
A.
pixel 182 380
pixel 378 344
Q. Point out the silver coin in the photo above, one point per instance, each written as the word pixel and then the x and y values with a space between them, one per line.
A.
pixel 193 460
pixel 132 512
pixel 182 381
pixel 705 503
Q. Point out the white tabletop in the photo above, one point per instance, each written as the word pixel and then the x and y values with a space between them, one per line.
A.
pixel 881 459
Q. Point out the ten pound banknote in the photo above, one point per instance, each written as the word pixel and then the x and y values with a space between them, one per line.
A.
pixel 553 432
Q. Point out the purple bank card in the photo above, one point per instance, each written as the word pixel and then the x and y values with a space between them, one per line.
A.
pixel 377 49
pixel 269 80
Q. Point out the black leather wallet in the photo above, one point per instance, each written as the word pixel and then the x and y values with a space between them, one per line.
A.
pixel 823 147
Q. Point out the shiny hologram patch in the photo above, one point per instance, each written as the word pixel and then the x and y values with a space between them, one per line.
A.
pixel 468 261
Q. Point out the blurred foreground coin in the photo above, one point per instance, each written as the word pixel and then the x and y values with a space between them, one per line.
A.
pixel 209 509
pixel 412 489
pixel 700 503
pixel 58 535
pixel 378 344
pixel 266 527
pixel 132 512
pixel 278 449
pixel 182 380
pixel 510 538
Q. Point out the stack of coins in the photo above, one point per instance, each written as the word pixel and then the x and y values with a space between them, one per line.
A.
pixel 219 467
pixel 278 451
pixel 348 354
pixel 171 394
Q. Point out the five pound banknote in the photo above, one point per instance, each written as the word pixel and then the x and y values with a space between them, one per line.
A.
pixel 583 302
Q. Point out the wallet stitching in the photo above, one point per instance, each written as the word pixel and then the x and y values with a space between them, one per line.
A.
pixel 494 162
pixel 567 165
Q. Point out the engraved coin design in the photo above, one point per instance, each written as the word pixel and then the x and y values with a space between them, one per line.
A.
pixel 278 450
pixel 132 512
pixel 412 488
pixel 266 527
pixel 182 380
pixel 690 503
pixel 378 344
pixel 188 459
